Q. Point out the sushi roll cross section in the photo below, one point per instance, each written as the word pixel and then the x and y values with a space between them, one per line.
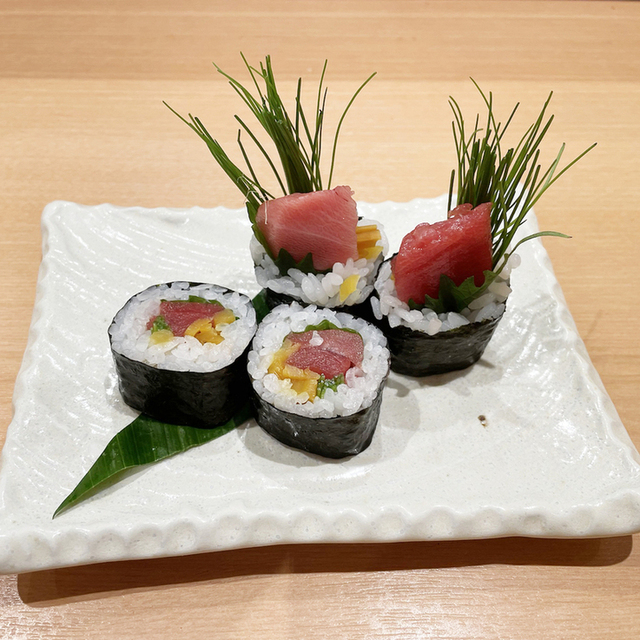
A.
pixel 317 377
pixel 440 298
pixel 180 352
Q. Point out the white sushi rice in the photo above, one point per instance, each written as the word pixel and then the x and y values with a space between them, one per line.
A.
pixel 362 383
pixel 488 306
pixel 130 336
pixel 323 289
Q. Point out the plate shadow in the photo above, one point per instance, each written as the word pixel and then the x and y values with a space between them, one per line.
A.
pixel 55 587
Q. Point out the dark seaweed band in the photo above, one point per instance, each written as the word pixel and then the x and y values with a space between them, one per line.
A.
pixel 415 353
pixel 360 310
pixel 337 437
pixel 191 398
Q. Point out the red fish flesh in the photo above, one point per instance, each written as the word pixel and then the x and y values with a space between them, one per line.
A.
pixel 458 247
pixel 340 350
pixel 179 314
pixel 322 223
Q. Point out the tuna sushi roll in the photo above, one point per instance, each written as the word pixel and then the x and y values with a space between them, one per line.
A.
pixel 308 245
pixel 424 342
pixel 180 352
pixel 335 255
pixel 317 377
pixel 441 297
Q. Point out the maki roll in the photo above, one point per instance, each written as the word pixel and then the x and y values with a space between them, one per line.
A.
pixel 317 377
pixel 308 245
pixel 334 255
pixel 424 342
pixel 180 352
pixel 441 297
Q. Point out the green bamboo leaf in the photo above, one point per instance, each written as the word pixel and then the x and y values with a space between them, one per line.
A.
pixel 143 441
pixel 286 261
pixel 260 305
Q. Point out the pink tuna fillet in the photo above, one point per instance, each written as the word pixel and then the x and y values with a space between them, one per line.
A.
pixel 324 362
pixel 322 223
pixel 339 351
pixel 179 314
pixel 346 343
pixel 463 209
pixel 459 247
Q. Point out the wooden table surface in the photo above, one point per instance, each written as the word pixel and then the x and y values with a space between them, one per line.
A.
pixel 81 119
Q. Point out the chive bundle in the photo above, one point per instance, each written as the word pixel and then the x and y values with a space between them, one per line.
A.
pixel 297 140
pixel 486 174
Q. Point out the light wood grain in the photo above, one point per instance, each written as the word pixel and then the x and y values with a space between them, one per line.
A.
pixel 81 118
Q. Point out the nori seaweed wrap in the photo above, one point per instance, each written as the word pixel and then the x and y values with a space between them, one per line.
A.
pixel 337 437
pixel 318 377
pixel 424 343
pixel 415 353
pixel 196 377
pixel 361 309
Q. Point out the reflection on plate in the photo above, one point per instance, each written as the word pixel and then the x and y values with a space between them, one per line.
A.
pixel 525 442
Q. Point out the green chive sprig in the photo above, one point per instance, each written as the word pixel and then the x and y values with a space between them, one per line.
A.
pixel 297 139
pixel 513 181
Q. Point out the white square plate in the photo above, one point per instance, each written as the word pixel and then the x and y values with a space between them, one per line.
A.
pixel 525 442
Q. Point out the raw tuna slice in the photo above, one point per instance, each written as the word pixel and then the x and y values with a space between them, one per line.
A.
pixel 339 351
pixel 322 223
pixel 324 362
pixel 459 247
pixel 463 209
pixel 179 314
pixel 345 343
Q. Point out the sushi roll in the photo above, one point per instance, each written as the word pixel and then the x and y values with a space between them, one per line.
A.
pixel 317 378
pixel 335 255
pixel 441 297
pixel 308 245
pixel 180 352
pixel 426 341
pixel 423 342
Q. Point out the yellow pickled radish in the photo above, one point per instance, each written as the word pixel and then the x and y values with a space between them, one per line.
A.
pixel 367 238
pixel 209 336
pixel 370 253
pixel 294 373
pixel 281 356
pixel 367 233
pixel 161 336
pixel 203 331
pixel 302 380
pixel 226 316
pixel 305 385
pixel 349 285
